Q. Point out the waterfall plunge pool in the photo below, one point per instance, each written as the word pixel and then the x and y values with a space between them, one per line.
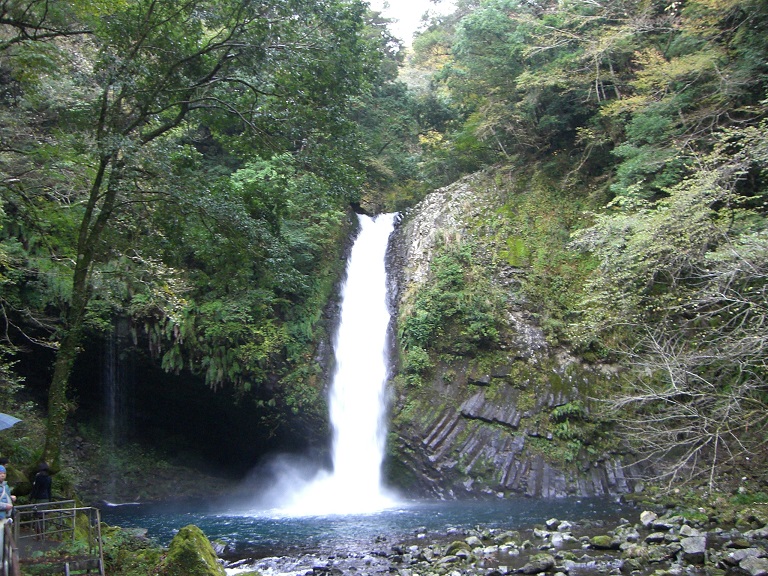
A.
pixel 268 533
pixel 356 408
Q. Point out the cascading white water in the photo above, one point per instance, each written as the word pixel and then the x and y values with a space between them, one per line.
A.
pixel 357 400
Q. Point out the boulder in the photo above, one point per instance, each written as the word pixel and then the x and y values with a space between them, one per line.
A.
pixel 507 537
pixel 457 546
pixel 655 538
pixel 473 542
pixel 604 542
pixel 736 557
pixel 190 554
pixel 686 531
pixel 558 539
pixel 694 549
pixel 538 563
pixel 757 533
pixel 647 518
pixel 755 566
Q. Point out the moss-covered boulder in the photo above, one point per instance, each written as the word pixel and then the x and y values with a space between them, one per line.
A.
pixel 190 554
pixel 538 563
pixel 604 542
pixel 455 547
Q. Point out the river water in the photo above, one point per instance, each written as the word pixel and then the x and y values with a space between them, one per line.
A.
pixel 261 533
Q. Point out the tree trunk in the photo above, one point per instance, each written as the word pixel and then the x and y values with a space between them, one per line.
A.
pixel 58 404
pixel 69 347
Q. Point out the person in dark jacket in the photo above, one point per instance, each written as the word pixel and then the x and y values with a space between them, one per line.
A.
pixel 41 485
pixel 41 492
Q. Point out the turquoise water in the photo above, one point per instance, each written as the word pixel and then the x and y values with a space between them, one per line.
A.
pixel 257 534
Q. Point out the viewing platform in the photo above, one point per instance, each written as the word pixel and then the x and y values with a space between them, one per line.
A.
pixel 53 538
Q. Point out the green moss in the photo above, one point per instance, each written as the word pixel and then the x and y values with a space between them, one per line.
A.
pixel 457 546
pixel 526 401
pixel 516 253
pixel 190 554
pixel 750 498
pixel 604 542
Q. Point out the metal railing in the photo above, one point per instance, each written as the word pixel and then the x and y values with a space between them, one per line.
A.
pixel 45 534
pixel 10 559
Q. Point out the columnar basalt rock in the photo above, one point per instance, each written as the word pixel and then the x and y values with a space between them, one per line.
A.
pixel 474 428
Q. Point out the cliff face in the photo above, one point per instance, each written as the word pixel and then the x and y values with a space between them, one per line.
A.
pixel 515 418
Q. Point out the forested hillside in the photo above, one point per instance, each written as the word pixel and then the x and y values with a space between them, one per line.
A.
pixel 191 168
pixel 188 166
pixel 628 145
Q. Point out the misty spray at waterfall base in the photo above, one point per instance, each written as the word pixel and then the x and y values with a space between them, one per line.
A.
pixel 357 400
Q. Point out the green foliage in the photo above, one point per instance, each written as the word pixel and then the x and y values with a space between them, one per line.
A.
pixel 458 312
pixel 128 554
pixel 683 281
pixel 186 165
pixel 533 233
pixel 748 498
pixel 417 361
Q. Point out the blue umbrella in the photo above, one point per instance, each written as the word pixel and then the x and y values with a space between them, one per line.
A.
pixel 6 421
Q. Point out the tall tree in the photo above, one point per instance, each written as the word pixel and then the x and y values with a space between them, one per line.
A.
pixel 270 74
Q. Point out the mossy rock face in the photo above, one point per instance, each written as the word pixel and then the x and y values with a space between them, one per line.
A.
pixel 190 554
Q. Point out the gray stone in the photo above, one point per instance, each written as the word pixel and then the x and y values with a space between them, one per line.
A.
pixel 508 537
pixel 538 563
pixel 655 537
pixel 737 556
pixel 694 549
pixel 689 531
pixel 757 533
pixel 452 559
pixel 647 518
pixel 558 539
pixel 755 566
pixel 473 542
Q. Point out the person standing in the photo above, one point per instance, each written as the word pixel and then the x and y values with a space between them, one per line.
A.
pixel 6 507
pixel 41 492
pixel 41 485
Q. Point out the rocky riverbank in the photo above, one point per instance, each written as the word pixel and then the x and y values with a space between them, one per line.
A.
pixel 695 542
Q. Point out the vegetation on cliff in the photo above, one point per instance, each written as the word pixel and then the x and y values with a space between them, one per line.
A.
pixel 628 153
pixel 190 167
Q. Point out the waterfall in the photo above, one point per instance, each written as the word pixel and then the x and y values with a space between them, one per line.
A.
pixel 357 400
pixel 117 384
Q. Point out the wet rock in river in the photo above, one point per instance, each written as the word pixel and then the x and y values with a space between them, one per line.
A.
pixel 538 563
pixel 604 542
